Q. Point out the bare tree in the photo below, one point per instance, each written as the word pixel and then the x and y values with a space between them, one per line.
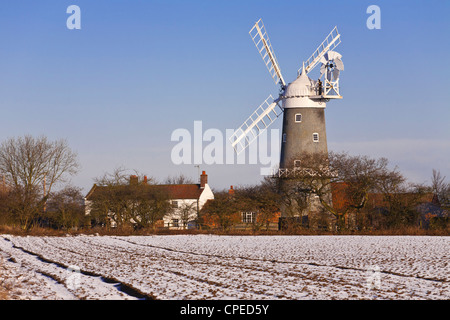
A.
pixel 109 202
pixel 28 161
pixel 440 187
pixel 65 208
pixel 222 211
pixel 305 186
pixel 148 204
pixel 120 199
pixel 32 167
pixel 187 211
pixel 180 179
pixel 263 199
pixel 314 178
pixel 401 203
pixel 118 177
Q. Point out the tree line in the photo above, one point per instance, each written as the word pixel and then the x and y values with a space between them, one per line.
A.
pixel 35 191
pixel 337 191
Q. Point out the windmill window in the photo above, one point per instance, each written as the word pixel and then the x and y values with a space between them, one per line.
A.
pixel 315 137
pixel 298 117
pixel 297 163
pixel 284 137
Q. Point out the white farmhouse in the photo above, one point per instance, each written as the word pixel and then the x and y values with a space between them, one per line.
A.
pixel 186 200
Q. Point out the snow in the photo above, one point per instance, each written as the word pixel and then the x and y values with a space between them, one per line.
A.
pixel 227 267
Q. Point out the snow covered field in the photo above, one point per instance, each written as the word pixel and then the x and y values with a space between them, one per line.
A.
pixel 225 267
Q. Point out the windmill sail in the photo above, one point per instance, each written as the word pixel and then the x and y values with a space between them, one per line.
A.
pixel 330 42
pixel 261 39
pixel 256 124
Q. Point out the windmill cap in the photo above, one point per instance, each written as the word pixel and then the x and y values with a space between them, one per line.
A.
pixel 300 87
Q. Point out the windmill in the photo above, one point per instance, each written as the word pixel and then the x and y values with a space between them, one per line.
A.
pixel 302 102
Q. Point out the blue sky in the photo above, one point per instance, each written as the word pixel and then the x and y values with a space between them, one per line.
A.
pixel 138 70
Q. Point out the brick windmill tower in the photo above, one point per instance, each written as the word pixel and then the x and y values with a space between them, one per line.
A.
pixel 302 102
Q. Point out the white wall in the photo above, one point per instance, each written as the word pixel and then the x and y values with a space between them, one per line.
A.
pixel 206 195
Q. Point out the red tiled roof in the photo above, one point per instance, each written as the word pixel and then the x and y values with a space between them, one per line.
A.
pixel 183 191
pixel 174 191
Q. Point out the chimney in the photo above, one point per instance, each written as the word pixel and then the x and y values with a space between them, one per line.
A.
pixel 203 179
pixel 231 191
pixel 133 180
pixel 145 180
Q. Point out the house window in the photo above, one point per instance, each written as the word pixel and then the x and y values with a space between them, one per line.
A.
pixel 175 223
pixel 315 137
pixel 174 204
pixel 284 137
pixel 248 217
pixel 298 117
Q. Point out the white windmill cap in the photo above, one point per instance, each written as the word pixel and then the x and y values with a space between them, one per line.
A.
pixel 300 87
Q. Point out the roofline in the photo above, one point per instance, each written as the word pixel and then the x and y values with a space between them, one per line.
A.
pixel 198 185
pixel 91 191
